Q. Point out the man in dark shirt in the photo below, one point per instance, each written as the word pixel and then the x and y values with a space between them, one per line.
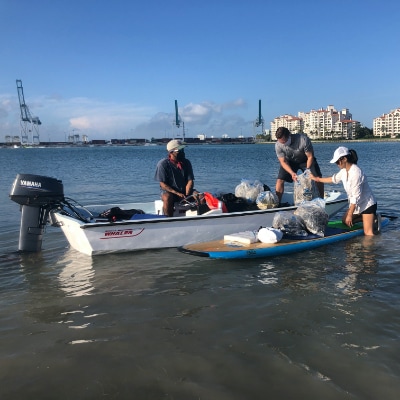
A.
pixel 175 174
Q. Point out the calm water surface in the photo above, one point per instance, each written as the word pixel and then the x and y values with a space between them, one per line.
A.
pixel 323 324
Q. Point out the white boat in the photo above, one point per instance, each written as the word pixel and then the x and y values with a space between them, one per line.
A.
pixel 91 234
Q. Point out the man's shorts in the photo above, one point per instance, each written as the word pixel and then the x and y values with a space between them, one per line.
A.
pixel 285 176
pixel 177 199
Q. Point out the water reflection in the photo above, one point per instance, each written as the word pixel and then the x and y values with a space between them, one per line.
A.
pixel 360 264
pixel 42 296
pixel 77 274
pixel 298 273
pixel 268 274
pixel 349 267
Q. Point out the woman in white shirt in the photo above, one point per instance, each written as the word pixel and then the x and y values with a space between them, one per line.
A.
pixel 362 202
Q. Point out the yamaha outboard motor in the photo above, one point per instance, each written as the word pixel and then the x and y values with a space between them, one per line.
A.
pixel 37 195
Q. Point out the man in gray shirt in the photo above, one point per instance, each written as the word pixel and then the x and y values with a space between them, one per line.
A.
pixel 294 152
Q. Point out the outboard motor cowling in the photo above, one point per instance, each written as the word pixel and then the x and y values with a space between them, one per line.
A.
pixel 37 195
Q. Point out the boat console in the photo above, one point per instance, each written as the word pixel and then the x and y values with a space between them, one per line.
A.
pixel 37 195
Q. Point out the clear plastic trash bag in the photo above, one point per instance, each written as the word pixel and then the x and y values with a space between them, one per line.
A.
pixel 289 223
pixel 314 216
pixel 249 190
pixel 266 200
pixel 305 188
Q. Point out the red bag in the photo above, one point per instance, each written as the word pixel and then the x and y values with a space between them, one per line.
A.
pixel 213 203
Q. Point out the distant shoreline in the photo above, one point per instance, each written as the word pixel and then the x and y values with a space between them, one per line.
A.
pixel 316 141
pixel 80 145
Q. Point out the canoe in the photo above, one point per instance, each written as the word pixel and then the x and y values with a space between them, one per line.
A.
pixel 336 231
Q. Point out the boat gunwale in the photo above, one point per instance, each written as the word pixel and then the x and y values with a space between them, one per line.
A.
pixel 163 219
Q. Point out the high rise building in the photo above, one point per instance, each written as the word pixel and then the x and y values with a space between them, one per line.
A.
pixel 387 125
pixel 325 124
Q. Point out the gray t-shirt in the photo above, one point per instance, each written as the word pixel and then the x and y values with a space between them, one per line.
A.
pixel 295 152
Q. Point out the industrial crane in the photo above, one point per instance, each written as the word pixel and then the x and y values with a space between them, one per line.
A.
pixel 29 123
pixel 178 120
pixel 260 120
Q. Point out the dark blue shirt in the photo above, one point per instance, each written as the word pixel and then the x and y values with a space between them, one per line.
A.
pixel 177 178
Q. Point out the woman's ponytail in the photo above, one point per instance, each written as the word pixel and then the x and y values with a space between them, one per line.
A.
pixel 353 156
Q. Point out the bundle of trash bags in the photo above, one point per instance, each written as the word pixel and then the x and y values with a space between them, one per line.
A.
pixel 256 192
pixel 305 188
pixel 249 190
pixel 309 217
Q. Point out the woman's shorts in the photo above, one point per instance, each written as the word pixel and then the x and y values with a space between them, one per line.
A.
pixel 370 210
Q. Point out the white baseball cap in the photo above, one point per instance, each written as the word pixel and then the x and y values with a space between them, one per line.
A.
pixel 339 153
pixel 174 145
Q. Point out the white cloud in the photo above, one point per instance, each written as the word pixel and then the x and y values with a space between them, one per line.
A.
pixel 203 112
pixel 80 123
pixel 105 120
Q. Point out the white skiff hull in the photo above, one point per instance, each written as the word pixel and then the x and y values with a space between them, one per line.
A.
pixel 94 238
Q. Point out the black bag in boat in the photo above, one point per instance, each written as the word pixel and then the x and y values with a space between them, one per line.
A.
pixel 236 204
pixel 117 214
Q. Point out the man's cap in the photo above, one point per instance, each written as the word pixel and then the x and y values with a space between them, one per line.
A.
pixel 339 152
pixel 174 145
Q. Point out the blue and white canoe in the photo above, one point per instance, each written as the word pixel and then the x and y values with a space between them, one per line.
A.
pixel 336 231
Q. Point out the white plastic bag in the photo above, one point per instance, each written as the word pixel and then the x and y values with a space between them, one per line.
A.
pixel 249 190
pixel 269 235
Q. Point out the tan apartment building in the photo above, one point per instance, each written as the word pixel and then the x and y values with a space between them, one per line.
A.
pixel 387 125
pixel 324 124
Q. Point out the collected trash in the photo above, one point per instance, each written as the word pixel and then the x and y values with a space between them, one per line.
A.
pixel 305 188
pixel 289 224
pixel 249 190
pixel 266 200
pixel 313 215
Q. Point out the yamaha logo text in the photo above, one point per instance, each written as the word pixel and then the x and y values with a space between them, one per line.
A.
pixel 30 184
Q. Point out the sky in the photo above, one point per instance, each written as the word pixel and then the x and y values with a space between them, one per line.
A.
pixel 113 69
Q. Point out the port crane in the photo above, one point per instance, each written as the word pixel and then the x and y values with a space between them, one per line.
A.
pixel 178 120
pixel 29 123
pixel 260 120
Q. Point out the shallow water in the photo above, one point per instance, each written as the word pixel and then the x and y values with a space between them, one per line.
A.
pixel 165 325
